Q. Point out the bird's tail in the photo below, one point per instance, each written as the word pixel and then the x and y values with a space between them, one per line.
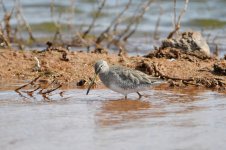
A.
pixel 157 81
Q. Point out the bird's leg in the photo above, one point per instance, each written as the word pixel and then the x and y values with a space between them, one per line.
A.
pixel 139 95
pixel 125 97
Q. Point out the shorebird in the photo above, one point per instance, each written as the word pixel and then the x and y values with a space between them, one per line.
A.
pixel 122 80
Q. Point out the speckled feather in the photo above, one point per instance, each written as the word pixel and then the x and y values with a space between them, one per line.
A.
pixel 127 76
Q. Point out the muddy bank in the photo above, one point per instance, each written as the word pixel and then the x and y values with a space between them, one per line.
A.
pixel 68 68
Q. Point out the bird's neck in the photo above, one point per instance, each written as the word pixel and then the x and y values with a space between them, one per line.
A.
pixel 104 78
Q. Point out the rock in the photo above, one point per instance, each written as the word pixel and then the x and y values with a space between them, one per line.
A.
pixel 188 41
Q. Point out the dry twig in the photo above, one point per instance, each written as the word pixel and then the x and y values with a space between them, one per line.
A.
pixel 156 34
pixel 30 83
pixel 22 21
pixel 39 87
pixel 114 22
pixel 51 90
pixel 94 19
pixel 138 18
pixel 57 24
pixel 178 21
pixel 4 39
pixel 7 28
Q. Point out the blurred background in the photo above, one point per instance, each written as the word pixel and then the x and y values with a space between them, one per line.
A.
pixel 62 21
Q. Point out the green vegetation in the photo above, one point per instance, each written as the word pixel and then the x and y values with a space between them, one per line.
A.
pixel 100 15
pixel 57 8
pixel 66 9
pixel 208 23
pixel 89 1
pixel 46 27
pixel 90 37
pixel 127 20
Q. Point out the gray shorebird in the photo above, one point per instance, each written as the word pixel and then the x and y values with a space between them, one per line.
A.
pixel 122 80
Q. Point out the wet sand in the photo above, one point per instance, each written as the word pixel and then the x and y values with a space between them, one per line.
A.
pixel 186 70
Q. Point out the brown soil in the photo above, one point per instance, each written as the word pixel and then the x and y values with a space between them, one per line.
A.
pixel 176 67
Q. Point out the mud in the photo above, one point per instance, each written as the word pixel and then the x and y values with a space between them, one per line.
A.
pixel 178 68
pixel 183 68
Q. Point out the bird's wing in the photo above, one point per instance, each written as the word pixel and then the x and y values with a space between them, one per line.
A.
pixel 134 76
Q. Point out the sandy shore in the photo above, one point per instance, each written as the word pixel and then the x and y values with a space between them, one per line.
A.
pixel 183 71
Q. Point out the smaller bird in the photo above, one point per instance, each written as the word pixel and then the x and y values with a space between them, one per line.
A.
pixel 122 80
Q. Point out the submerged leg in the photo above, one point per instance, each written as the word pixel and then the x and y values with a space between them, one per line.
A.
pixel 125 97
pixel 139 95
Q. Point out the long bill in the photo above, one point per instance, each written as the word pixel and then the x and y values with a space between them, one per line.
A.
pixel 91 84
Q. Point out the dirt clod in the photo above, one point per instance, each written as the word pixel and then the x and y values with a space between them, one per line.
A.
pixel 81 82
pixel 220 67
pixel 187 41
pixel 175 53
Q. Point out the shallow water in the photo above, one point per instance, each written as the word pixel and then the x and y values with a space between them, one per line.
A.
pixel 184 119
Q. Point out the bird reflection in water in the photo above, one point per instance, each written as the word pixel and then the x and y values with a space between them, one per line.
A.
pixel 159 104
pixel 120 111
